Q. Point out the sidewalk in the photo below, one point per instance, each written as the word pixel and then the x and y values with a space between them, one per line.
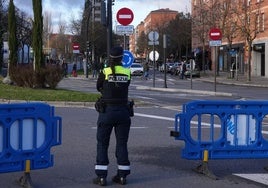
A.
pixel 208 76
pixel 224 78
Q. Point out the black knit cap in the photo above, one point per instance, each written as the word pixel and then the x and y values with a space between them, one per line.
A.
pixel 116 52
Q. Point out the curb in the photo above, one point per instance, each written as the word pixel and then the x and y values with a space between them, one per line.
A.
pixel 53 103
pixel 185 91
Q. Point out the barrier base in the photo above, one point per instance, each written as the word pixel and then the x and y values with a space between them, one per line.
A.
pixel 25 180
pixel 203 169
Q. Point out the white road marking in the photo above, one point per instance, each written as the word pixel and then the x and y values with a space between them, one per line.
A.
pixel 260 178
pixel 132 127
pixel 154 117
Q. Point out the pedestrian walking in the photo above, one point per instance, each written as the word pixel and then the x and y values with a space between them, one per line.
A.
pixel 64 68
pixel 183 69
pixel 74 71
pixel 95 69
pixel 114 113
pixel 85 65
pixel 146 70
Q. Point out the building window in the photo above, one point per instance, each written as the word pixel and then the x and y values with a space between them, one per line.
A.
pixel 258 23
pixel 262 22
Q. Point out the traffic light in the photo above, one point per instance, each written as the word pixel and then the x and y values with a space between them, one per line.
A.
pixel 88 45
pixel 103 13
pixel 168 38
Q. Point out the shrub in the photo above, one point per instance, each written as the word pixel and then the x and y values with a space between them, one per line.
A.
pixel 22 75
pixel 25 76
pixel 53 75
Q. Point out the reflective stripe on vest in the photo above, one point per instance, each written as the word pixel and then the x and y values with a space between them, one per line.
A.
pixel 118 70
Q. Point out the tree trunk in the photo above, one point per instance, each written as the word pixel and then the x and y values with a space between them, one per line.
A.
pixel 249 60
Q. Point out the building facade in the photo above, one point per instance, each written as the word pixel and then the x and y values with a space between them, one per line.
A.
pixel 239 21
pixel 96 10
pixel 154 21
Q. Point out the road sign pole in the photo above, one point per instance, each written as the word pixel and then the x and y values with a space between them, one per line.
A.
pixel 215 71
pixel 109 27
pixel 154 66
pixel 125 42
pixel 164 47
pixel 215 36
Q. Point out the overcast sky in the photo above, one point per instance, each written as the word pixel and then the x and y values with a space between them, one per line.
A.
pixel 67 9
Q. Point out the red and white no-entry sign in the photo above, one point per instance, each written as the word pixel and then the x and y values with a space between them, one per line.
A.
pixel 76 46
pixel 125 16
pixel 215 34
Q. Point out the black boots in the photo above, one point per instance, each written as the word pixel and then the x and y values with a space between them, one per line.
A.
pixel 100 181
pixel 120 180
pixel 117 179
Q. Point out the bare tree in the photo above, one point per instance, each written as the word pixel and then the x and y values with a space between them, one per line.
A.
pixel 206 15
pixel 179 31
pixel 247 16
pixel 62 26
pixel 48 29
pixel 3 28
pixel 228 25
pixel 24 33
pixel 75 26
pixel 200 28
pixel 142 43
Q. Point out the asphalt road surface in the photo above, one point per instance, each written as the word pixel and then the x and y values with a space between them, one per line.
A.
pixel 155 156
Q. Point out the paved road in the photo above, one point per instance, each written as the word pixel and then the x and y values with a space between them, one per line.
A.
pixel 155 156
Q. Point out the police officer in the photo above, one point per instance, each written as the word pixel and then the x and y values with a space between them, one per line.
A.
pixel 113 83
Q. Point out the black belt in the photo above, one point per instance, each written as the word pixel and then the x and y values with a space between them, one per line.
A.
pixel 115 102
pixel 119 104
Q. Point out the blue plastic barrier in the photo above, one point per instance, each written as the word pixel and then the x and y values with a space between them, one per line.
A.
pixel 222 129
pixel 27 133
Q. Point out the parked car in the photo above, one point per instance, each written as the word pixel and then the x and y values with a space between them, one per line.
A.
pixel 175 69
pixel 168 67
pixel 195 73
pixel 136 69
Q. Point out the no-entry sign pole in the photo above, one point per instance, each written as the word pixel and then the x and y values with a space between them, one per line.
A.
pixel 109 27
pixel 215 36
pixel 125 16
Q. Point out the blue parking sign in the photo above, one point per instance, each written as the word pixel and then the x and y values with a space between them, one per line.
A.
pixel 128 58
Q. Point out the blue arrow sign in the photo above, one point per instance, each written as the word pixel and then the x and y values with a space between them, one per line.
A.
pixel 128 58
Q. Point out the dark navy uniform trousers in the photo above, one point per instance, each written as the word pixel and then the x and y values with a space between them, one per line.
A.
pixel 116 117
